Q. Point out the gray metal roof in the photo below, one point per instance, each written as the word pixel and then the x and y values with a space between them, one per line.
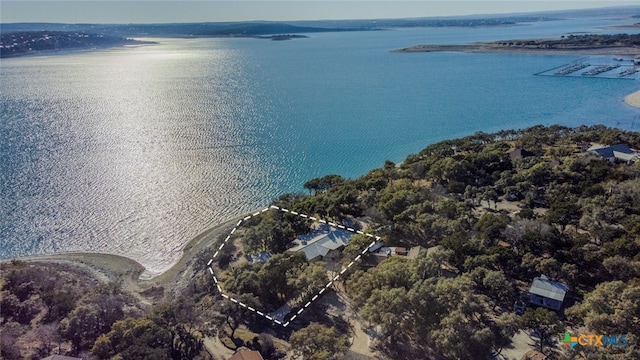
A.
pixel 323 243
pixel 376 246
pixel 314 250
pixel 542 286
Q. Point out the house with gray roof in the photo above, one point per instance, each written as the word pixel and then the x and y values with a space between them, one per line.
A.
pixel 613 153
pixel 317 245
pixel 547 293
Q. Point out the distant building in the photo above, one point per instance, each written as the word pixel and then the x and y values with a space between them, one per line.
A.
pixel 323 242
pixel 547 293
pixel 246 355
pixel 519 153
pixel 614 153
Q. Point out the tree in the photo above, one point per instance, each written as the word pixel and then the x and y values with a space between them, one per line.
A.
pixel 490 195
pixel 611 308
pixel 323 183
pixel 544 324
pixel 134 339
pixel 81 327
pixel 232 315
pixel 356 245
pixel 179 319
pixel 318 342
pixel 94 315
pixel 564 212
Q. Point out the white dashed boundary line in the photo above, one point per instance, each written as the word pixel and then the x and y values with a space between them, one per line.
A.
pixel 316 296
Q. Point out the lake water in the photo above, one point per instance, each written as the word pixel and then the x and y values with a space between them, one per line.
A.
pixel 136 151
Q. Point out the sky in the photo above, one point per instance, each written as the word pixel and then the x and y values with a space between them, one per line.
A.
pixel 154 11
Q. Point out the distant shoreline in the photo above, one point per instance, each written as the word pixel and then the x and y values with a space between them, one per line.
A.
pixel 587 44
pixel 499 49
pixel 72 51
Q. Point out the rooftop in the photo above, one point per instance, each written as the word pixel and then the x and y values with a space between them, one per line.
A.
pixel 246 355
pixel 609 151
pixel 544 287
pixel 325 240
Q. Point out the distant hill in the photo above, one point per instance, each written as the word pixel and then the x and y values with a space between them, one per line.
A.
pixel 259 28
pixel 175 30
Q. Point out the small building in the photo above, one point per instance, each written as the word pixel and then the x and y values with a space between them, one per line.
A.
pixel 547 293
pixel 246 355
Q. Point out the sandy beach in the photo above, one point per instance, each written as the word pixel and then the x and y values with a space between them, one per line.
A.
pixel 633 99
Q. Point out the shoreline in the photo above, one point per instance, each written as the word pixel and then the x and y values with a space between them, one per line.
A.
pixel 490 48
pixel 110 267
pixel 633 99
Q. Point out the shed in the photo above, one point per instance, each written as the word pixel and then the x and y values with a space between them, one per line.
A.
pixel 547 293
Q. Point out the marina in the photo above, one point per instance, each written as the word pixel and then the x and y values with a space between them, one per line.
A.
pixel 597 67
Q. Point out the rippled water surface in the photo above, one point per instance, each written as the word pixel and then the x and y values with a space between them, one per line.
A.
pixel 135 151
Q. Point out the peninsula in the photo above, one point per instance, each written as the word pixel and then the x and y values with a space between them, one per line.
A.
pixel 470 226
pixel 619 44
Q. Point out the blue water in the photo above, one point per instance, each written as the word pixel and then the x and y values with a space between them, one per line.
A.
pixel 135 151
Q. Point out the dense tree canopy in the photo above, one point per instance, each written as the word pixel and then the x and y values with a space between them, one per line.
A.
pixel 318 342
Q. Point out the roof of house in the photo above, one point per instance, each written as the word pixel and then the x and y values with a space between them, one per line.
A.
pixel 246 355
pixel 544 287
pixel 60 357
pixel 323 243
pixel 373 259
pixel 623 156
pixel 401 250
pixel 376 246
pixel 312 251
pixel 519 154
pixel 610 151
